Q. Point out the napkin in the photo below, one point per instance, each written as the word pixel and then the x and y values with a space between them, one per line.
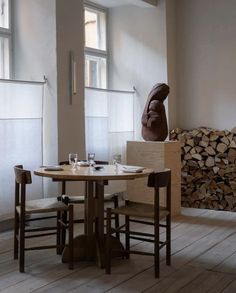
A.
pixel 132 169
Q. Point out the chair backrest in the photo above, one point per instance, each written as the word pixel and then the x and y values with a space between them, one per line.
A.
pixel 159 179
pixel 96 162
pixel 64 163
pixel 101 162
pixel 22 176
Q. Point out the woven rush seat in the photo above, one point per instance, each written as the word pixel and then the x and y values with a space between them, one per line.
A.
pixel 137 209
pixel 44 205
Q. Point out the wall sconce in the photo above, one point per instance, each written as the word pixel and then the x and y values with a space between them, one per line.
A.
pixel 73 76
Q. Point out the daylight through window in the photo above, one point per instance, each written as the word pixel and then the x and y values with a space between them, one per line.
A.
pixel 5 38
pixel 95 47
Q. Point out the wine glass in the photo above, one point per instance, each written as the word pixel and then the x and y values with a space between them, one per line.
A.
pixel 116 161
pixel 73 158
pixel 91 157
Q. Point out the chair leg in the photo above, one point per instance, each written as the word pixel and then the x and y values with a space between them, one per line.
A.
pixel 22 244
pixel 168 239
pixel 127 239
pixel 16 233
pixel 59 244
pixel 117 222
pixel 156 249
pixel 63 230
pixel 71 237
pixel 108 242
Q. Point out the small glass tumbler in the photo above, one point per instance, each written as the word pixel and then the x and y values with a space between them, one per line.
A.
pixel 91 157
pixel 73 158
pixel 116 161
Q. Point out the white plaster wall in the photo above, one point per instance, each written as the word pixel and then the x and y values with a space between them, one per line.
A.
pixel 34 55
pixel 138 51
pixel 206 63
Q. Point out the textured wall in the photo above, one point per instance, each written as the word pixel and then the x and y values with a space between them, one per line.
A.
pixel 206 62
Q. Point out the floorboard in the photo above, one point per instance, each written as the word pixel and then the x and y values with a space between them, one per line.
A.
pixel 203 260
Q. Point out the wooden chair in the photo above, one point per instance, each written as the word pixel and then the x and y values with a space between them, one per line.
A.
pixel 24 209
pixel 67 199
pixel 133 211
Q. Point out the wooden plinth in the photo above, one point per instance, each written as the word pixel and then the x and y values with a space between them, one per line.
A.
pixel 157 156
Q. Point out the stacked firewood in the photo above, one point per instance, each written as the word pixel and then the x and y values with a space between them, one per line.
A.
pixel 208 167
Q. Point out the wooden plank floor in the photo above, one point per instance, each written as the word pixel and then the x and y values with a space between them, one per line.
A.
pixel 203 260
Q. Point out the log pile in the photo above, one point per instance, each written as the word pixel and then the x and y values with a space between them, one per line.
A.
pixel 208 177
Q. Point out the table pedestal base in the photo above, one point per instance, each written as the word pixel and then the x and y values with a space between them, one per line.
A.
pixel 90 248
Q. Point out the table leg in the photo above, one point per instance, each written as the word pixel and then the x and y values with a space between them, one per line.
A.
pixel 99 222
pixel 85 246
pixel 91 245
pixel 89 209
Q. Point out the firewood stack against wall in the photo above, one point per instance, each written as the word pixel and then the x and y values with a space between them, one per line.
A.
pixel 208 177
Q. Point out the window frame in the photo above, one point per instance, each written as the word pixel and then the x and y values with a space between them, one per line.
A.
pixel 7 33
pixel 93 51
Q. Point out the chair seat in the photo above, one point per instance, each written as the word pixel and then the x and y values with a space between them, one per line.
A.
pixel 44 205
pixel 81 198
pixel 141 210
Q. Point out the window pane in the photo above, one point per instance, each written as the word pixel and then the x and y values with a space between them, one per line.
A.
pixel 4 57
pixel 95 71
pixel 20 101
pixel 95 29
pixel 21 133
pixel 109 122
pixel 97 136
pixel 4 14
pixel 21 142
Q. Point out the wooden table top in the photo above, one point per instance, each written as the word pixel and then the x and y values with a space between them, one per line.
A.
pixel 87 173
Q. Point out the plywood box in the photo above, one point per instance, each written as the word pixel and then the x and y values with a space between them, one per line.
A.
pixel 158 156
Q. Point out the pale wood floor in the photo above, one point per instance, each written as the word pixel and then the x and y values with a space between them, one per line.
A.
pixel 203 260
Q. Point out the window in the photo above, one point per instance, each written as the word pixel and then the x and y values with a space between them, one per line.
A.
pixel 109 114
pixel 21 132
pixel 95 47
pixel 5 38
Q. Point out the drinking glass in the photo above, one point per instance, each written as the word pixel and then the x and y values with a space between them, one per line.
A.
pixel 117 161
pixel 91 157
pixel 73 158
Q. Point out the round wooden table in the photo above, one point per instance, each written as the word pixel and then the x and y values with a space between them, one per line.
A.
pixel 91 245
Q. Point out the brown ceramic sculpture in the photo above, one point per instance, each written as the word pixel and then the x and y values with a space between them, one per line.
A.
pixel 154 122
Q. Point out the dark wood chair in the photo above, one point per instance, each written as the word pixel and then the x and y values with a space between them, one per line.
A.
pixel 139 213
pixel 108 198
pixel 24 209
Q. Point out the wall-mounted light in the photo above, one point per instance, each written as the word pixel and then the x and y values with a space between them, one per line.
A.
pixel 73 75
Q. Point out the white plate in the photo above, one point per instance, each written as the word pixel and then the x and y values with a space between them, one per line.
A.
pixel 132 169
pixel 53 168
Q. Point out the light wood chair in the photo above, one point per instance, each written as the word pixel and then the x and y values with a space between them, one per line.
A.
pixel 80 199
pixel 24 209
pixel 139 212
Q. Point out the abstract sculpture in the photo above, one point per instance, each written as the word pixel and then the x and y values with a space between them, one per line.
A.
pixel 154 122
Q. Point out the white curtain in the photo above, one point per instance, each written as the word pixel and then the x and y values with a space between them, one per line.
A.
pixel 21 107
pixel 109 122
